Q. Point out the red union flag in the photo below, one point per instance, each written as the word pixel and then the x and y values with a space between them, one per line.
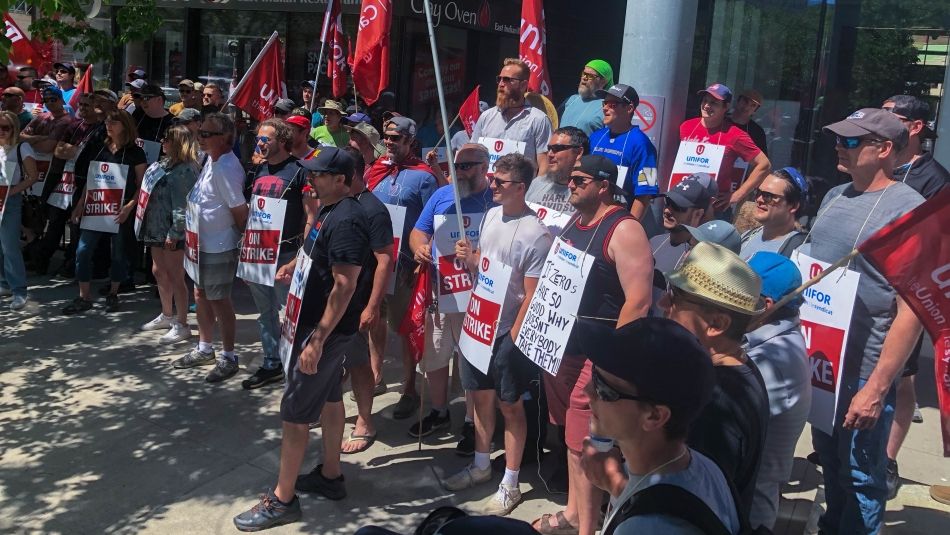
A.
pixel 263 83
pixel 21 48
pixel 533 41
pixel 371 58
pixel 469 111
pixel 332 35
pixel 913 253
pixel 85 86
pixel 413 325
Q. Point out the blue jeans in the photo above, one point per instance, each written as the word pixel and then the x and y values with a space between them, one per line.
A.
pixel 854 464
pixel 269 300
pixel 88 239
pixel 12 268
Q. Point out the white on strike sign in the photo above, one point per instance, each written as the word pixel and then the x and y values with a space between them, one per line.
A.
pixel 553 310
pixel 261 243
pixel 191 240
pixel 43 160
pixel 152 149
pixel 104 188
pixel 454 279
pixel 553 219
pixel 695 157
pixel 498 147
pixel 153 174
pixel 397 214
pixel 480 323
pixel 826 320
pixel 288 328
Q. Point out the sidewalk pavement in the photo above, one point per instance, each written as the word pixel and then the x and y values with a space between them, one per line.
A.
pixel 100 434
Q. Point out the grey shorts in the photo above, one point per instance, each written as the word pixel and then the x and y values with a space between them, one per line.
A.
pixel 357 351
pixel 216 273
pixel 305 395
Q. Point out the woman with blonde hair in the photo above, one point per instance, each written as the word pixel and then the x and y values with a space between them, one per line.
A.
pixel 162 206
pixel 19 173
pixel 119 148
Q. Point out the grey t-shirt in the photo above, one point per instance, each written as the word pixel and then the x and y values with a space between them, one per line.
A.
pixel 522 243
pixel 752 243
pixel 843 213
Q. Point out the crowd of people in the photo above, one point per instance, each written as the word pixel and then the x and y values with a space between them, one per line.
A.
pixel 682 389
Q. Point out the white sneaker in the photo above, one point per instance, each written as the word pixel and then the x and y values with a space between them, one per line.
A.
pixel 5 292
pixel 161 322
pixel 468 477
pixel 176 333
pixel 19 301
pixel 504 501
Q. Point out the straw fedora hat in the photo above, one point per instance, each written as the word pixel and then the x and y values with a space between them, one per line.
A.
pixel 717 275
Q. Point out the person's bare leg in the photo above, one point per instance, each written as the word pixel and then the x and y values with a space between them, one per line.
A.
pixel 377 350
pixel 587 496
pixel 516 433
pixel 438 381
pixel 484 407
pixel 85 290
pixel 363 384
pixel 469 406
pixel 293 447
pixel 224 311
pixel 903 416
pixel 159 271
pixel 332 421
pixel 206 316
pixel 176 280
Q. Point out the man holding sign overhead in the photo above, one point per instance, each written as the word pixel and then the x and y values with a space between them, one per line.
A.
pixel 613 283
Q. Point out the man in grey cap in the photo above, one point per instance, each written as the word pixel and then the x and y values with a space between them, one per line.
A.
pixel 283 107
pixel 883 329
pixel 685 205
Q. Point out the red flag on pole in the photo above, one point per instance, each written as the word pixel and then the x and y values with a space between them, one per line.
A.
pixel 533 42
pixel 413 325
pixel 913 253
pixel 263 83
pixel 469 111
pixel 85 86
pixel 336 64
pixel 22 49
pixel 371 63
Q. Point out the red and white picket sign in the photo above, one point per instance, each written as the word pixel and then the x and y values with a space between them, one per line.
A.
pixel 481 315
pixel 826 320
pixel 397 214
pixel 454 279
pixel 153 174
pixel 152 149
pixel 43 160
pixel 261 243
pixel 288 328
pixel 192 215
pixel 105 185
pixel 696 157
pixel 553 219
pixel 498 147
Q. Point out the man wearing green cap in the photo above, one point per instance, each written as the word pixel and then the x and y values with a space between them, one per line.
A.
pixel 583 110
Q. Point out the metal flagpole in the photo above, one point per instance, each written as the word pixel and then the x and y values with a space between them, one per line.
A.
pixel 257 60
pixel 313 95
pixel 445 116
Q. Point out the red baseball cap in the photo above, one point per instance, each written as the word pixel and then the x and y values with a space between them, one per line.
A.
pixel 298 120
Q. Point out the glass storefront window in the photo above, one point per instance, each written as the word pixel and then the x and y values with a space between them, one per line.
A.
pixel 167 49
pixel 248 30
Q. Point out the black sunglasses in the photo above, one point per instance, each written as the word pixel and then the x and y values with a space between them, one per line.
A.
pixel 559 148
pixel 50 100
pixel 580 180
pixel 498 182
pixel 465 166
pixel 673 206
pixel 607 393
pixel 393 137
pixel 767 196
pixel 209 133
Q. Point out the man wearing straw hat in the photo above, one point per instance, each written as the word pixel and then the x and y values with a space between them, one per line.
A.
pixel 583 110
pixel 331 133
pixel 883 328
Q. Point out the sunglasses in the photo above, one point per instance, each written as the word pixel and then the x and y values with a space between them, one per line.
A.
pixel 607 393
pixel 673 206
pixel 498 182
pixel 262 139
pixel 50 100
pixel 589 76
pixel 558 148
pixel 209 133
pixel 392 137
pixel 465 166
pixel 767 197
pixel 62 71
pixel 580 180
pixel 855 142
pixel 507 80
pixel 23 76
pixel 6 128
pixel 186 91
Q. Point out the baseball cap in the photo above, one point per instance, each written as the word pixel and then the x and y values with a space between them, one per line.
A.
pixel 367 130
pixel 622 91
pixel 718 232
pixel 284 105
pixel 355 118
pixel 913 108
pixel 190 84
pixel 187 115
pixel 107 94
pixel 330 160
pixel 40 83
pixel 307 83
pixel 138 83
pixel 299 120
pixel 51 91
pixel 663 360
pixel 690 193
pixel 400 125
pixel 150 90
pixel 779 275
pixel 598 167
pixel 718 91
pixel 68 66
pixel 138 74
pixel 874 121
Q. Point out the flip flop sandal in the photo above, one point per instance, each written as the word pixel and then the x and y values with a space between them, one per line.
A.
pixel 563 527
pixel 368 441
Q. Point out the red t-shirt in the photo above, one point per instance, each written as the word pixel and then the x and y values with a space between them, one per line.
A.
pixel 737 142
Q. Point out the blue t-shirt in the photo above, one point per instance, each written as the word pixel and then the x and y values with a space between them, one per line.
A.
pixel 634 150
pixel 588 115
pixel 410 188
pixel 443 203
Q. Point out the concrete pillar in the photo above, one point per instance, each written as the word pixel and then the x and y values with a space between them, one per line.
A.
pixel 655 59
pixel 942 146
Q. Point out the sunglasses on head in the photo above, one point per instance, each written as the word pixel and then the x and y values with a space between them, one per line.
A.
pixel 208 133
pixel 465 166
pixel 558 148
pixel 607 393
pixel 855 142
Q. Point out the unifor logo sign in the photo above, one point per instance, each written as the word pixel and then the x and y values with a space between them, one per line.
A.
pixel 485 263
pixel 260 203
pixel 104 167
pixel 499 144
pixel 814 271
pixel 700 149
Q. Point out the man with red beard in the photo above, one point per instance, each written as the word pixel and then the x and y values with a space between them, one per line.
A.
pixel 512 120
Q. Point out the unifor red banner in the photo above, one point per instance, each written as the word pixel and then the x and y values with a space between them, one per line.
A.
pixel 413 325
pixel 332 34
pixel 371 58
pixel 913 253
pixel 263 83
pixel 469 111
pixel 22 50
pixel 85 86
pixel 533 44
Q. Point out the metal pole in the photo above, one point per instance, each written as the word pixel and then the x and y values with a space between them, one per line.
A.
pixel 445 117
pixel 313 95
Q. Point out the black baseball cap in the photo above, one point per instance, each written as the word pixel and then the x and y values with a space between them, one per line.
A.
pixel 663 360
pixel 622 91
pixel 597 166
pixel 913 108
pixel 150 90
pixel 68 66
pixel 330 160
pixel 689 193
pixel 284 105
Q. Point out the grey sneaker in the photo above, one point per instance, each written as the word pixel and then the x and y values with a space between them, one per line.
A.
pixel 194 358
pixel 467 478
pixel 504 501
pixel 224 369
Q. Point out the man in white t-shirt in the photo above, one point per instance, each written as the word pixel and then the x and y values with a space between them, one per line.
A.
pixel 513 235
pixel 222 213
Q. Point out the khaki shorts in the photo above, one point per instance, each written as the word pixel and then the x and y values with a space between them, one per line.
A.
pixel 442 336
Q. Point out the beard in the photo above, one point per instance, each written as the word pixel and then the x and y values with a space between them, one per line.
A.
pixel 585 91
pixel 505 99
pixel 465 187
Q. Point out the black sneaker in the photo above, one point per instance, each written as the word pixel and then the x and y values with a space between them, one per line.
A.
pixel 263 377
pixel 315 481
pixel 814 458
pixel 893 479
pixel 68 271
pixel 406 407
pixel 430 424
pixel 466 446
pixel 125 287
pixel 269 512
pixel 76 306
pixel 112 303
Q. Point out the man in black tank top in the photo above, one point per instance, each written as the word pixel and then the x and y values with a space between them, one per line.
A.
pixel 616 292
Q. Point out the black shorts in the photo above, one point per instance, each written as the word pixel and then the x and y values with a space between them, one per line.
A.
pixel 305 395
pixel 913 361
pixel 509 372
